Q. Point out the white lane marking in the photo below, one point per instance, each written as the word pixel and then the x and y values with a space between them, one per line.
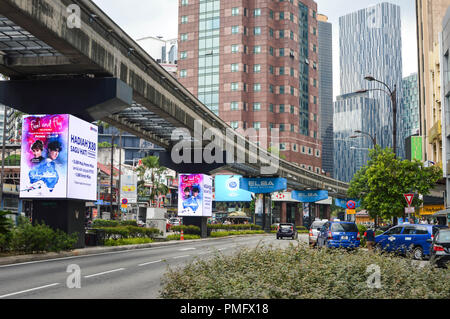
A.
pixel 178 257
pixel 105 272
pixel 151 262
pixel 28 290
pixel 185 249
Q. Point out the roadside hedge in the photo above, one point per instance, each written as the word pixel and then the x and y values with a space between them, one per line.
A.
pixel 298 272
pixel 124 232
pixel 113 223
pixel 28 238
pixel 234 227
pixel 187 229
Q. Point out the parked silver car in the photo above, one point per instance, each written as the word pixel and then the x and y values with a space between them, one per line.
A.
pixel 315 230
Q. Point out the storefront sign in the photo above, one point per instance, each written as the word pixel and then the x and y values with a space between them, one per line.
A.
pixel 227 189
pixel 263 185
pixel 310 196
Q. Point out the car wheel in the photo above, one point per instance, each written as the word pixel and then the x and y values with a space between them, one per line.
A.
pixel 418 253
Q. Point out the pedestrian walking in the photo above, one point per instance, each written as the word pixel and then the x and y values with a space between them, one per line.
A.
pixel 370 238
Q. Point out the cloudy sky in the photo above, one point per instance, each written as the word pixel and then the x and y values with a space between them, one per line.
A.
pixel 141 18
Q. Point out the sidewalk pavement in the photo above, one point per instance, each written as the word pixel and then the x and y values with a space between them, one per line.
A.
pixel 9 260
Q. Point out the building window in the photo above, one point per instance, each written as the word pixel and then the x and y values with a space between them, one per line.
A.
pixel 235 48
pixel 235 67
pixel 317 153
pixel 271 107
pixel 281 34
pixel 271 14
pixel 271 89
pixel 235 11
pixel 292 109
pixel 184 37
pixel 257 125
pixel 292 128
pixel 257 106
pixel 282 146
pixel 292 72
pixel 184 3
pixel 271 69
pixel 257 87
pixel 292 17
pixel 281 127
pixel 234 125
pixel 271 51
pixel 281 71
pixel 281 108
pixel 257 31
pixel 257 68
pixel 257 12
pixel 281 89
pixel 281 15
pixel 184 19
pixel 281 52
pixel 235 106
pixel 292 35
pixel 183 73
pixel 271 32
pixel 183 55
pixel 235 29
pixel 294 147
pixel 234 86
pixel 257 49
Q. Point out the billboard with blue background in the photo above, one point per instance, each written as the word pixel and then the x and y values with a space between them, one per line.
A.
pixel 227 189
pixel 263 185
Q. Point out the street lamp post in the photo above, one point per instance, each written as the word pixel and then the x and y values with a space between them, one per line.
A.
pixel 393 95
pixel 373 138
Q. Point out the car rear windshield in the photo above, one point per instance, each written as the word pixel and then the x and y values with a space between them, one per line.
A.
pixel 317 225
pixel 286 226
pixel 443 237
pixel 344 228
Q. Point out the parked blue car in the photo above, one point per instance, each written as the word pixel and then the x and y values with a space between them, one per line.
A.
pixel 339 235
pixel 408 238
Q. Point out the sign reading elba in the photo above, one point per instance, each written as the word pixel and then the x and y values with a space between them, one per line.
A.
pixel 310 196
pixel 263 185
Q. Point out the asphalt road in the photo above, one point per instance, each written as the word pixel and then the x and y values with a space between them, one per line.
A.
pixel 133 274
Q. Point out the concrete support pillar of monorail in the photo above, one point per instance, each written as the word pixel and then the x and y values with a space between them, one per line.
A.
pixel 283 212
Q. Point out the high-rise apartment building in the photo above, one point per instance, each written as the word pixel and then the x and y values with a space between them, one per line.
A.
pixel 370 44
pixel 255 64
pixel 326 91
pixel 430 14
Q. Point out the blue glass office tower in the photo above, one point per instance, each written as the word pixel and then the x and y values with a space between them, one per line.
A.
pixel 370 44
pixel 325 40
pixel 410 106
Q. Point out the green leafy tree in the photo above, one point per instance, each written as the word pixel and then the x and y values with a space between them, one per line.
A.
pixel 5 222
pixel 151 164
pixel 380 184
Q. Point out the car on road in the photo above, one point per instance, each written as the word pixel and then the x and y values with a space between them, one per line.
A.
pixel 314 231
pixel 175 221
pixel 338 234
pixel 287 230
pixel 413 239
pixel 440 248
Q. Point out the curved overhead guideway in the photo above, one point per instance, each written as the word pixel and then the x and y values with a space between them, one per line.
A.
pixel 38 42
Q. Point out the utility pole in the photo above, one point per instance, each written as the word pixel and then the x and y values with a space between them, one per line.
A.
pixel 3 155
pixel 112 176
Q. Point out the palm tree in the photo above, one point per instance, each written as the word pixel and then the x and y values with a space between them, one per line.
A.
pixel 151 163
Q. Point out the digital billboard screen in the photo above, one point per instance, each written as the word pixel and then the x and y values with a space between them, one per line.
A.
pixel 195 195
pixel 58 158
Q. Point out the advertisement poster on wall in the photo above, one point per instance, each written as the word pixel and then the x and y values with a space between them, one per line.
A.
pixel 195 195
pixel 128 188
pixel 58 158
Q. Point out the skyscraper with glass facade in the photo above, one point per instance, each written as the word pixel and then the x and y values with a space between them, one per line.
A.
pixel 370 44
pixel 326 91
pixel 410 118
pixel 255 64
